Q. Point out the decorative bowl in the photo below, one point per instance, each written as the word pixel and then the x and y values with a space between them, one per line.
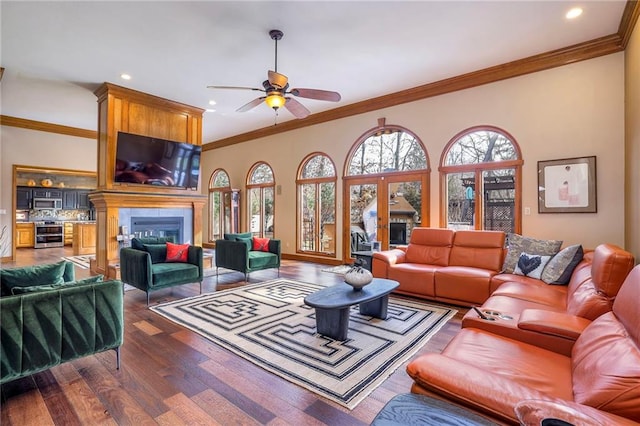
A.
pixel 46 183
pixel 358 277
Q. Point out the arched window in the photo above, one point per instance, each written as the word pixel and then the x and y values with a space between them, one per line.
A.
pixel 386 190
pixel 316 216
pixel 261 200
pixel 224 206
pixel 480 175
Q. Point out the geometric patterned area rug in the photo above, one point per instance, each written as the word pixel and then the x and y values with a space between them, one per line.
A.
pixel 268 324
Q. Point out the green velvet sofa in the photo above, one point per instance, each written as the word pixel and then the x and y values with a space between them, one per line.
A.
pixel 47 324
pixel 143 265
pixel 236 252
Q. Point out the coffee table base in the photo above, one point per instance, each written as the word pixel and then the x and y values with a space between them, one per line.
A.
pixel 334 322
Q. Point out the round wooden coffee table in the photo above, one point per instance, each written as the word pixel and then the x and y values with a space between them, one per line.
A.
pixel 332 305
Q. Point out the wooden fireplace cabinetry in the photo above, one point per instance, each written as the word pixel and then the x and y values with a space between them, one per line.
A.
pixel 126 110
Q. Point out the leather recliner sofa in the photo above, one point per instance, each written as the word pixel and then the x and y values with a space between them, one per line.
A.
pixel 444 265
pixel 553 316
pixel 491 374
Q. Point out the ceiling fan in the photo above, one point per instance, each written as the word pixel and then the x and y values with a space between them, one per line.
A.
pixel 276 89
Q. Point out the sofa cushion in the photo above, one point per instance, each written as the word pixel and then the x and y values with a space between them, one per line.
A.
pixel 478 249
pixel 516 244
pixel 261 259
pixel 158 252
pixel 51 273
pixel 430 246
pixel 531 265
pixel 177 252
pixel 234 237
pixel 166 274
pixel 138 243
pixel 561 266
pixel 47 287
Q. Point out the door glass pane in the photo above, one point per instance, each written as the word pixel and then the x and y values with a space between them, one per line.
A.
pixel 499 200
pixel 460 200
pixel 215 216
pixel 308 215
pixel 328 217
pixel 405 201
pixel 363 213
pixel 267 227
pixel 254 212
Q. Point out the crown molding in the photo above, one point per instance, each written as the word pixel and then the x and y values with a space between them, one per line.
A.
pixel 555 58
pixel 628 21
pixel 24 123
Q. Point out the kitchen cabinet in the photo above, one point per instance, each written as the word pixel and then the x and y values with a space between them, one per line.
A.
pixel 83 202
pixel 69 199
pixel 68 233
pixel 23 198
pixel 84 238
pixel 25 235
pixel 47 193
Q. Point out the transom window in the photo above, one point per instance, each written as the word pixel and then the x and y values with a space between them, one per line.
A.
pixel 317 205
pixel 481 178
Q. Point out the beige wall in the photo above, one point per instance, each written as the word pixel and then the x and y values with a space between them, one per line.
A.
pixel 42 149
pixel 571 111
pixel 632 148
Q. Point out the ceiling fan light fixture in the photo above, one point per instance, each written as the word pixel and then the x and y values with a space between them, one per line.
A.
pixel 275 100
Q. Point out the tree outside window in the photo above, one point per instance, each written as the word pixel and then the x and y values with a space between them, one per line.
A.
pixel 481 169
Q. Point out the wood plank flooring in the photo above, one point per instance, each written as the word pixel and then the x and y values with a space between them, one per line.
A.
pixel 172 376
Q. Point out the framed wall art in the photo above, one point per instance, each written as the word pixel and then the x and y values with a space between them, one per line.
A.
pixel 567 185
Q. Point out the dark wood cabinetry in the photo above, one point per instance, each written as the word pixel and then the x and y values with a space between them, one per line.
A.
pixel 47 193
pixel 69 199
pixel 82 201
pixel 23 198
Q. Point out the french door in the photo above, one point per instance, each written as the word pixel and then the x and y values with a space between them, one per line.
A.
pixel 382 210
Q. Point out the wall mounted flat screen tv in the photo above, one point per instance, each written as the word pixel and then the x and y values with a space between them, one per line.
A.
pixel 152 161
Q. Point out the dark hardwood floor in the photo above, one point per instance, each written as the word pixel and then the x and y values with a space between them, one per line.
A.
pixel 172 376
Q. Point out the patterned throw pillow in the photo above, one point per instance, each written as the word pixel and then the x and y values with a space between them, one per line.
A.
pixel 177 252
pixel 560 267
pixel 517 244
pixel 531 265
pixel 260 244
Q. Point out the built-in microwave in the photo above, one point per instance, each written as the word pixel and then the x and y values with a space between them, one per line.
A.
pixel 47 203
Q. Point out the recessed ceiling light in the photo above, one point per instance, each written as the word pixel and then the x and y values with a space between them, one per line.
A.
pixel 125 76
pixel 574 13
pixel 210 110
pixel 212 102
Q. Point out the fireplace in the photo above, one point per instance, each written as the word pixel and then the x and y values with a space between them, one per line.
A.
pixel 158 227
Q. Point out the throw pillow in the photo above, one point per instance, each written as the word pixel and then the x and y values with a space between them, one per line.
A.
pixel 560 267
pixel 35 288
pixel 260 244
pixel 52 273
pixel 531 265
pixel 158 252
pixel 248 242
pixel 177 252
pixel 517 244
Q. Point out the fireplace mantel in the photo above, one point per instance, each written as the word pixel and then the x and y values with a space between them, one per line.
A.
pixel 108 205
pixel 124 110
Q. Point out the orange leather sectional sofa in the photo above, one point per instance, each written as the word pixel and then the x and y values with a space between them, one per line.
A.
pixel 537 341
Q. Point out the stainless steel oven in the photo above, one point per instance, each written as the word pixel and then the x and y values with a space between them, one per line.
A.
pixel 47 203
pixel 49 234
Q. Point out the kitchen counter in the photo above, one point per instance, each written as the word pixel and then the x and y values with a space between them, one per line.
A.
pixel 84 238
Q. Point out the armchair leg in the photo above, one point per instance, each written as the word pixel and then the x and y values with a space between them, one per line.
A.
pixel 217 274
pixel 246 277
pixel 278 272
pixel 200 287
pixel 117 357
pixel 147 299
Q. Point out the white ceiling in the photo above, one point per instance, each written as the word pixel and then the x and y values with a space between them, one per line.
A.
pixel 56 53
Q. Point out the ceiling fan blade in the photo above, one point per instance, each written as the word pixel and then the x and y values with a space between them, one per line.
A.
pixel 277 80
pixel 254 103
pixel 235 88
pixel 322 95
pixel 296 108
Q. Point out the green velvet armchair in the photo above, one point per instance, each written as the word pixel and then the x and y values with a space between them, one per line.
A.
pixel 236 252
pixel 144 266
